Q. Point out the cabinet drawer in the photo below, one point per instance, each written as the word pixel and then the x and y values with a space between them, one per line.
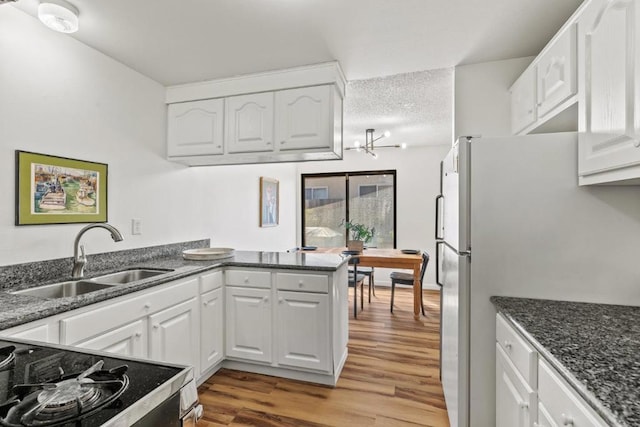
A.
pixel 88 324
pixel 250 279
pixel 563 405
pixel 303 282
pixel 210 281
pixel 523 356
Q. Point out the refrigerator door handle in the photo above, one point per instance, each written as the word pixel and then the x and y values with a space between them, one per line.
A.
pixel 438 198
pixel 438 264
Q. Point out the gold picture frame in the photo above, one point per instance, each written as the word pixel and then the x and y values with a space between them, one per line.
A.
pixel 59 190
pixel 269 202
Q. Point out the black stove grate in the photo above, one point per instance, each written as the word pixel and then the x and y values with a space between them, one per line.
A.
pixel 68 399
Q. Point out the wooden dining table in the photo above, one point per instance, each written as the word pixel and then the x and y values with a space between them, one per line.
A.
pixel 389 258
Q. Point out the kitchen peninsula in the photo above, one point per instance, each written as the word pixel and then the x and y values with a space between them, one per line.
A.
pixel 276 313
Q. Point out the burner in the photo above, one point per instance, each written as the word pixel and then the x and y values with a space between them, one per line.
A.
pixel 68 394
pixel 7 356
pixel 69 399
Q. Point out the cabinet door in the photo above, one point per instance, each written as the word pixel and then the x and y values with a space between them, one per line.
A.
pixel 129 340
pixel 556 72
pixel 303 330
pixel 248 321
pixel 608 38
pixel 174 334
pixel 513 396
pixel 195 128
pixel 523 101
pixel 303 119
pixel 249 123
pixel 47 332
pixel 211 329
pixel 562 404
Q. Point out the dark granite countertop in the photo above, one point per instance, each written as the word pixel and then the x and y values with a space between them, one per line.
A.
pixel 595 347
pixel 18 309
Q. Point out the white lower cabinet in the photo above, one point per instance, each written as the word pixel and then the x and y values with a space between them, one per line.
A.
pixel 248 324
pixel 211 329
pixel 287 323
pixel 174 334
pixel 563 405
pixel 515 399
pixel 545 399
pixel 304 330
pixel 128 340
pixel 48 332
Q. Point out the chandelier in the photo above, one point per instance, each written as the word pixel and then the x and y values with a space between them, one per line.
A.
pixel 370 139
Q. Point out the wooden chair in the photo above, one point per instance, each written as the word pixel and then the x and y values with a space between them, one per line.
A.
pixel 355 279
pixel 407 279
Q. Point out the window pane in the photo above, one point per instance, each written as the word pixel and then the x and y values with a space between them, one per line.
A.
pixel 371 204
pixel 322 215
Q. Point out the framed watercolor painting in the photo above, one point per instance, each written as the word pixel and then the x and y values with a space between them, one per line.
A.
pixel 269 202
pixel 58 190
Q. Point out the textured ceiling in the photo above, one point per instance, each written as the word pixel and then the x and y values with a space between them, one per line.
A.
pixel 181 41
pixel 415 107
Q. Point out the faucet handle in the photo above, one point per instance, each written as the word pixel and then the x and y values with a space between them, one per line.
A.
pixel 83 256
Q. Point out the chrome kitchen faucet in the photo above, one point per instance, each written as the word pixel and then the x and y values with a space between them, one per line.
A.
pixel 80 260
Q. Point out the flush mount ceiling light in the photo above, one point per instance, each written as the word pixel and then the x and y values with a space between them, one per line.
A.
pixel 58 15
pixel 369 148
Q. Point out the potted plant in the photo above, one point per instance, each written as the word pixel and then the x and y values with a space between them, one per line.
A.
pixel 360 234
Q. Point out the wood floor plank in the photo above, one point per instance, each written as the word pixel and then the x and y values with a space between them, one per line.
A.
pixel 391 378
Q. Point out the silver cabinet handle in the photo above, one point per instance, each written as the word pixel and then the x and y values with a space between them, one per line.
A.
pixel 156 326
pixel 280 300
pixel 138 334
pixel 205 303
pixel 507 345
pixel 147 306
pixel 636 143
pixel 265 299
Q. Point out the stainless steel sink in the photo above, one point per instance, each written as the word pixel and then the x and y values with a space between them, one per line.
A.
pixel 128 276
pixel 83 286
pixel 65 289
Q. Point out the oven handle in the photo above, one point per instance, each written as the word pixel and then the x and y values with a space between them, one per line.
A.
pixel 193 416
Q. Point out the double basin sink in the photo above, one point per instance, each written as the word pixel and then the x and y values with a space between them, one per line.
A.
pixel 83 286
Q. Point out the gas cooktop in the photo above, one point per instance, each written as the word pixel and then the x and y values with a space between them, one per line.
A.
pixel 44 385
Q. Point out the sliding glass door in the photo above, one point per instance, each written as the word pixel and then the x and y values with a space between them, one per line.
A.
pixel 368 198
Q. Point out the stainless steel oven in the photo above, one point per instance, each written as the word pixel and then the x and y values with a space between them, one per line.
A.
pixel 49 385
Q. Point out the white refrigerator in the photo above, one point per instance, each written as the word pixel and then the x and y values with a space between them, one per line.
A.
pixel 512 221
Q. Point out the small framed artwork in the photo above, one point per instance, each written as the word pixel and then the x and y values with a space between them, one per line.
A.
pixel 269 202
pixel 58 190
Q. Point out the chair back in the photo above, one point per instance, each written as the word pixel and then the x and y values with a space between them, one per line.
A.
pixel 423 269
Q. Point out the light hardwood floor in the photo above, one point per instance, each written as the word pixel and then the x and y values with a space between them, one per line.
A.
pixel 390 377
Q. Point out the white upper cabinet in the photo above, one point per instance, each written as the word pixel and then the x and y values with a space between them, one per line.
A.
pixel 523 101
pixel 556 72
pixel 609 138
pixel 195 128
pixel 249 123
pixel 542 97
pixel 304 118
pixel 280 116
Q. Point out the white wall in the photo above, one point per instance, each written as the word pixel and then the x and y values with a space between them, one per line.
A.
pixel 60 97
pixel 481 101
